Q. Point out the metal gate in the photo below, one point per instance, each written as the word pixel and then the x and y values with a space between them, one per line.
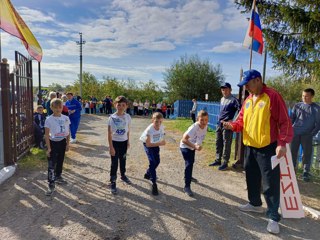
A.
pixel 17 109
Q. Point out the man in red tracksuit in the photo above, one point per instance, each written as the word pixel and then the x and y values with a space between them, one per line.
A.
pixel 266 128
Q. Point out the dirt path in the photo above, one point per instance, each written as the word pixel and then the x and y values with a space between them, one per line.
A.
pixel 84 209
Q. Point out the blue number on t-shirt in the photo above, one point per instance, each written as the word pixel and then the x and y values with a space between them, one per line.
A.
pixel 121 131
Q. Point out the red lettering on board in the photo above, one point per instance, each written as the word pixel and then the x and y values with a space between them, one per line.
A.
pixel 286 174
pixel 284 189
pixel 291 207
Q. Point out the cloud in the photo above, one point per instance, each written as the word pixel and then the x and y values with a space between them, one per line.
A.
pixel 35 16
pixel 233 19
pixel 128 27
pixel 227 47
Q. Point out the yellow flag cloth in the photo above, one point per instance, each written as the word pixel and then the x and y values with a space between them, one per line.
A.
pixel 12 23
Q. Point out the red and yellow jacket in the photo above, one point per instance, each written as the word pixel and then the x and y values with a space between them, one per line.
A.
pixel 264 122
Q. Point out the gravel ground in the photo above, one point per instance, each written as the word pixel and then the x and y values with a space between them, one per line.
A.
pixel 84 209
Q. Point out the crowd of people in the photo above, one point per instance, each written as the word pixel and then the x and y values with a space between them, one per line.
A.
pixel 263 120
pixel 135 108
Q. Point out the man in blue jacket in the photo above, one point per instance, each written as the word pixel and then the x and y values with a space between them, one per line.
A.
pixel 305 119
pixel 229 106
pixel 75 108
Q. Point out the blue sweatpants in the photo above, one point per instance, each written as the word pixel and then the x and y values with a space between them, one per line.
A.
pixel 188 156
pixel 153 154
pixel 74 126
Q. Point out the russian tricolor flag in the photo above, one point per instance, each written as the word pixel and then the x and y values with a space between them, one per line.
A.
pixel 254 31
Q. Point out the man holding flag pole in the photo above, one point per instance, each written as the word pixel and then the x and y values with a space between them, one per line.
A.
pixel 266 128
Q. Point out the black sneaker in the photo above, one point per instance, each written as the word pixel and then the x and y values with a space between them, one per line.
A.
pixel 306 177
pixel 215 163
pixel 61 180
pixel 187 190
pixel 50 190
pixel 125 179
pixel 147 176
pixel 223 167
pixel 194 180
pixel 113 188
pixel 155 189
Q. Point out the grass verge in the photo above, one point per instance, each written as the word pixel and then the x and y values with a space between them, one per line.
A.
pixel 35 160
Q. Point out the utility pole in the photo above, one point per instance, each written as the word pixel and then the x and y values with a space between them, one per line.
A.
pixel 80 43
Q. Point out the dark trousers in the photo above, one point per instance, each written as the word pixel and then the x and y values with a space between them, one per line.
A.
pixel 188 156
pixel 38 135
pixel 87 110
pixel 193 117
pixel 306 143
pixel 109 110
pixel 135 110
pixel 55 161
pixel 257 164
pixel 168 113
pixel 223 143
pixel 120 157
pixel 153 154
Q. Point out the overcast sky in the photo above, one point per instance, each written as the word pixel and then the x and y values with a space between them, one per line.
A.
pixel 135 39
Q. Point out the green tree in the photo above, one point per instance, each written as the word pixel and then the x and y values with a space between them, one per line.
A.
pixel 190 77
pixel 291 89
pixel 150 91
pixel 55 87
pixel 292 32
pixel 90 86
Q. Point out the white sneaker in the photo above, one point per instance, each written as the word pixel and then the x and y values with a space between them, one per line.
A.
pixel 73 140
pixel 273 227
pixel 249 208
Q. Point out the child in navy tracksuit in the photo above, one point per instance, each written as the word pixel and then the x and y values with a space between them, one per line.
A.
pixel 190 142
pixel 152 139
pixel 39 120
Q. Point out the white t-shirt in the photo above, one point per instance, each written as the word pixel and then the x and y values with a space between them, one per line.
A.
pixel 196 135
pixel 59 127
pixel 120 126
pixel 155 135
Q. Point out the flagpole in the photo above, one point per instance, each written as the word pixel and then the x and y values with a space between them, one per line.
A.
pixel 254 7
pixel 264 64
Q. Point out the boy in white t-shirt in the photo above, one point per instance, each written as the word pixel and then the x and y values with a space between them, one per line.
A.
pixel 57 135
pixel 190 142
pixel 153 138
pixel 118 138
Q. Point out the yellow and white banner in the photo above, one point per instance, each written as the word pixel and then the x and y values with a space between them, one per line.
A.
pixel 12 23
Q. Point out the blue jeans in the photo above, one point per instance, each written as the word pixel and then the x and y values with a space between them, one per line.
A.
pixel 257 163
pixel 188 156
pixel 154 161
pixel 74 126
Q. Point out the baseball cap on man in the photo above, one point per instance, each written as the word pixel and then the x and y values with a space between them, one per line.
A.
pixel 225 85
pixel 249 75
